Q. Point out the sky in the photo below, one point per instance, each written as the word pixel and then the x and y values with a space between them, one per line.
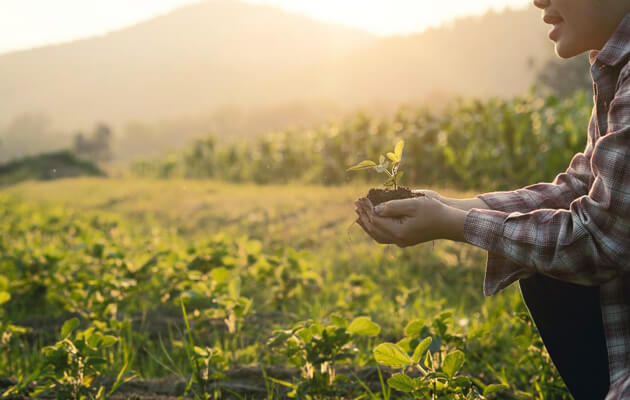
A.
pixel 32 23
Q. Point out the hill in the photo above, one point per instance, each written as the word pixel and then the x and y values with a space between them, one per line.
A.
pixel 223 52
pixel 47 166
pixel 236 69
pixel 186 62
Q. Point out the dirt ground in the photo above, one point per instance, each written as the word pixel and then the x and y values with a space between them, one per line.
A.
pixel 241 383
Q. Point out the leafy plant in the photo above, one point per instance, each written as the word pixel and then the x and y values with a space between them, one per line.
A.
pixel 71 366
pixel 205 362
pixel 383 164
pixel 56 261
pixel 316 348
pixel 438 377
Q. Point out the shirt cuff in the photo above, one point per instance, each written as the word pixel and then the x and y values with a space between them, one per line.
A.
pixel 484 228
pixel 505 201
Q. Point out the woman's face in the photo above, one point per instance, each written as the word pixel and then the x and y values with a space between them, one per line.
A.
pixel 581 25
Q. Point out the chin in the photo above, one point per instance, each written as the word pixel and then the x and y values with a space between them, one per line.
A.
pixel 568 50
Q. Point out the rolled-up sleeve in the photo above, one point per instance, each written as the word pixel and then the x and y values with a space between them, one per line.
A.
pixel 587 241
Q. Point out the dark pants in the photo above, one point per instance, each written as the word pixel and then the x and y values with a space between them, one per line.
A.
pixel 569 319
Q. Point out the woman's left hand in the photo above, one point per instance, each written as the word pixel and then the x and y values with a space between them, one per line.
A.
pixel 407 222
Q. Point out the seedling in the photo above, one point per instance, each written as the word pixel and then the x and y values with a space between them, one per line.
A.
pixel 383 165
pixel 389 165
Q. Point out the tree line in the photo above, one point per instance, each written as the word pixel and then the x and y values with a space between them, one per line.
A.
pixel 491 144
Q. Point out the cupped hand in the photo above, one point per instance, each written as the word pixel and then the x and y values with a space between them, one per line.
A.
pixel 404 223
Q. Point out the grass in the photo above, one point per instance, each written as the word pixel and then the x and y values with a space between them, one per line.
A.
pixel 247 260
pixel 301 216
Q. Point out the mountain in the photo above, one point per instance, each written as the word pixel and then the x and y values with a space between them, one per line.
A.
pixel 186 62
pixel 224 54
pixel 489 55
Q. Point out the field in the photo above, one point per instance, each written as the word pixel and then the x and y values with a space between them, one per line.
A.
pixel 128 288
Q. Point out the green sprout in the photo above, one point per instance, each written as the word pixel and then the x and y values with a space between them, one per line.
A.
pixel 383 165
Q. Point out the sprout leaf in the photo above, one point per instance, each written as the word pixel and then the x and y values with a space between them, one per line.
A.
pixel 365 164
pixel 399 149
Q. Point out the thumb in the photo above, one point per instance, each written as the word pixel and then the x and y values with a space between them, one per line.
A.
pixel 429 193
pixel 397 208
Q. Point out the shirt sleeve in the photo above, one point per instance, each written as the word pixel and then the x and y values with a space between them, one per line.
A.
pixel 565 188
pixel 588 242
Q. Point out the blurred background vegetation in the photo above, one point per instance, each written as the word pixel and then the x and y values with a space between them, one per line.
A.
pixel 287 85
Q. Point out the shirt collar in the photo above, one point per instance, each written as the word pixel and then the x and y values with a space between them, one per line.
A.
pixel 617 48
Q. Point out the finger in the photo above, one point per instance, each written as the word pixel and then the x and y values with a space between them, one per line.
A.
pixel 362 221
pixel 426 192
pixel 393 228
pixel 398 208
pixel 385 227
pixel 376 233
pixel 367 208
pixel 358 207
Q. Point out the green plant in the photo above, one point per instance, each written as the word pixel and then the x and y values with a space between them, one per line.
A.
pixel 203 361
pixel 383 164
pixel 70 367
pixel 316 348
pixel 438 376
pixel 127 277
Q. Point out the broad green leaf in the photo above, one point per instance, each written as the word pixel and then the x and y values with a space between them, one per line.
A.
pixel 92 338
pixel 399 149
pixel 234 287
pixel 108 340
pixel 421 348
pixel 402 383
pixel 414 328
pixel 393 157
pixel 220 274
pixel 493 388
pixel 453 362
pixel 365 164
pixel 364 326
pixel 391 355
pixel 305 334
pixel 68 327
pixel 405 344
pixel 317 328
pixel 337 320
pixel 4 297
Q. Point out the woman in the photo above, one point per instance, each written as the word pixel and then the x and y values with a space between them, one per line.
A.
pixel 567 242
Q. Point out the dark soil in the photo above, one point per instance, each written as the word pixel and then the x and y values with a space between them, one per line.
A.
pixel 246 382
pixel 378 196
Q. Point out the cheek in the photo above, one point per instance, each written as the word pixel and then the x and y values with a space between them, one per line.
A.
pixel 577 36
pixel 583 17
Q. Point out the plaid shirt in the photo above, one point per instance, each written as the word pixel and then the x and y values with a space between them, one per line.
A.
pixel 577 228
